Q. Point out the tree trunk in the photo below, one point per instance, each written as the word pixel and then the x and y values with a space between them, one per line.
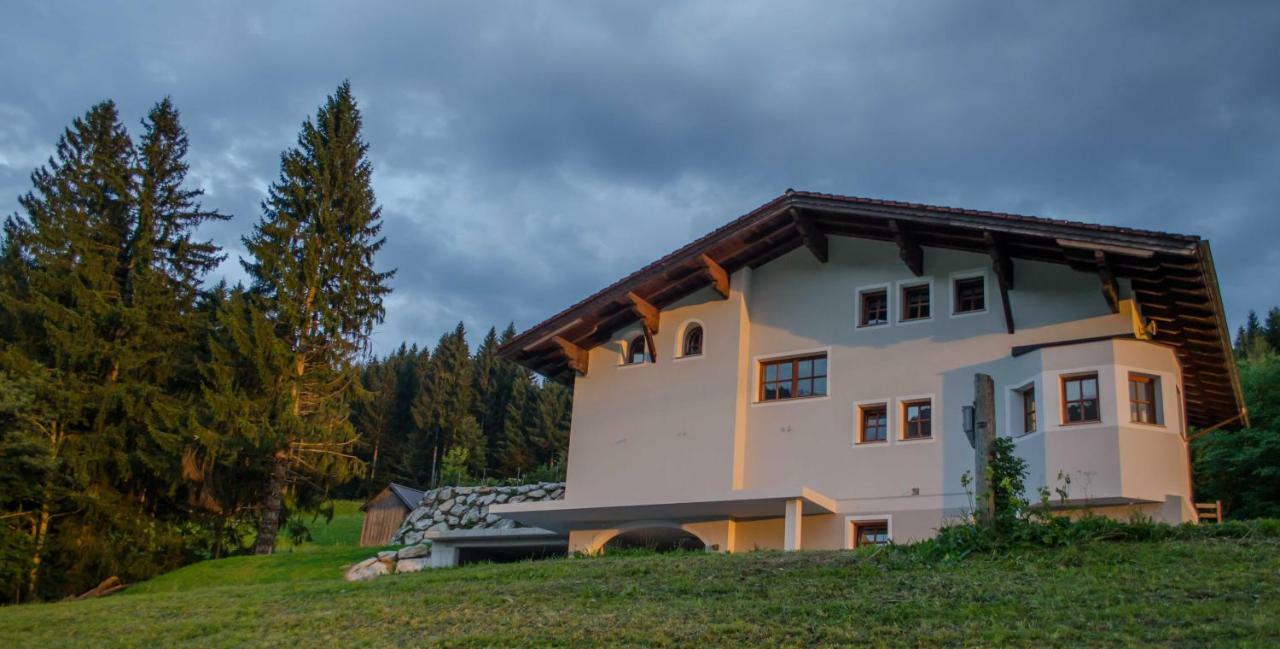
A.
pixel 272 504
pixel 41 533
pixel 984 423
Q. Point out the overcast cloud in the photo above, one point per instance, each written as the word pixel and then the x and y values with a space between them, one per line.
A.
pixel 529 153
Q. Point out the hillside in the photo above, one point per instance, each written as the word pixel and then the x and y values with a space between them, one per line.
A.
pixel 1185 592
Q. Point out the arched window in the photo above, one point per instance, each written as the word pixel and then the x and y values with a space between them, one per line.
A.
pixel 636 352
pixel 692 341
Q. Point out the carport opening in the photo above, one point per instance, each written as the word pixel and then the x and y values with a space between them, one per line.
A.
pixel 656 539
pixel 509 554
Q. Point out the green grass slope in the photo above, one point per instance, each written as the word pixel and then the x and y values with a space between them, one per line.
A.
pixel 1198 592
pixel 334 544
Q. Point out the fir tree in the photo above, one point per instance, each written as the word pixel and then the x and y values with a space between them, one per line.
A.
pixel 313 266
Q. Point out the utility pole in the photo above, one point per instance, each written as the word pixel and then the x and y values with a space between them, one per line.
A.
pixel 984 435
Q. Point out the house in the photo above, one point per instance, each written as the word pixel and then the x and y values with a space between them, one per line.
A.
pixel 797 378
pixel 385 511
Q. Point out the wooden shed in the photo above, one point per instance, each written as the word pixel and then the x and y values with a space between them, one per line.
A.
pixel 384 513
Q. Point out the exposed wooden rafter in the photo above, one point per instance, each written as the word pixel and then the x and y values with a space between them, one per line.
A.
pixel 1003 267
pixel 577 356
pixel 908 248
pixel 716 273
pixel 649 317
pixel 813 238
pixel 1110 288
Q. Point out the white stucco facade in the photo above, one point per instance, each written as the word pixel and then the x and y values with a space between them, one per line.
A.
pixel 693 431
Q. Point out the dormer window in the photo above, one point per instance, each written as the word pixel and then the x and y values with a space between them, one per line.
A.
pixel 636 351
pixel 692 345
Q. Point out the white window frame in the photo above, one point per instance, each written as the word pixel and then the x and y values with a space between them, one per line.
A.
pixel 903 284
pixel 1107 410
pixel 857 306
pixel 677 354
pixel 756 378
pixel 968 274
pixel 1013 408
pixel 887 402
pixel 625 344
pixel 1162 403
pixel 935 430
pixel 849 521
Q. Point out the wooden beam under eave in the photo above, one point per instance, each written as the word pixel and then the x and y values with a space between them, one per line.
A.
pixel 717 274
pixel 575 355
pixel 908 248
pixel 812 237
pixel 647 313
pixel 1110 288
pixel 1003 267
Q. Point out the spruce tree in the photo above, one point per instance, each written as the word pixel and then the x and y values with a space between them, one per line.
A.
pixel 312 264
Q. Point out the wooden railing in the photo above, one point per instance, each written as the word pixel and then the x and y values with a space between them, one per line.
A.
pixel 1209 512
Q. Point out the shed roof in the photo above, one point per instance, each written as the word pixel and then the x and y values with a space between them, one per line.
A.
pixel 1172 276
pixel 408 496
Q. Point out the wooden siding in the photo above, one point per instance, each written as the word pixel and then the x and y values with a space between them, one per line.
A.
pixel 382 517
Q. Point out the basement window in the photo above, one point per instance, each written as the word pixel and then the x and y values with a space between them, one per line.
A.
pixel 866 533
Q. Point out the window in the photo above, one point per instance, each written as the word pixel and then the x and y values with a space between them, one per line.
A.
pixel 916 416
pixel 870 533
pixel 971 294
pixel 1080 398
pixel 636 352
pixel 1143 391
pixel 915 302
pixel 793 378
pixel 1028 396
pixel 692 341
pixel 873 423
pixel 874 308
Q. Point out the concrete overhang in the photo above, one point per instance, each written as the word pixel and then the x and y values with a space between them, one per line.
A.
pixel 563 515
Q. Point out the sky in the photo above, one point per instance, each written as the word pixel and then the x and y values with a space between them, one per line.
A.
pixel 529 153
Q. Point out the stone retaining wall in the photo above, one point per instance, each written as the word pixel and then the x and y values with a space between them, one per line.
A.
pixel 454 508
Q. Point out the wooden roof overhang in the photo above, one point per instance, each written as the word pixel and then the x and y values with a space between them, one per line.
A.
pixel 1172 277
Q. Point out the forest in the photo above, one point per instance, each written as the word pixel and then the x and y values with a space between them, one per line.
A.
pixel 150 417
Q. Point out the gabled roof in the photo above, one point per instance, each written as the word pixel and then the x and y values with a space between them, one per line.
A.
pixel 408 496
pixel 1174 282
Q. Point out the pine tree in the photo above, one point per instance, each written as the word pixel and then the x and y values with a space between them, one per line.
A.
pixel 95 311
pixel 1271 328
pixel 442 404
pixel 313 266
pixel 487 406
pixel 1246 334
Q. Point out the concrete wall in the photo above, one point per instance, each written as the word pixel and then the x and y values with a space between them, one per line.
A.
pixel 687 428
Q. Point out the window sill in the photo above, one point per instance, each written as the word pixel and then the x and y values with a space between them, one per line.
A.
pixel 690 357
pixel 1143 424
pixel 916 321
pixel 872 326
pixel 631 365
pixel 965 314
pixel 917 440
pixel 872 444
pixel 1088 422
pixel 778 402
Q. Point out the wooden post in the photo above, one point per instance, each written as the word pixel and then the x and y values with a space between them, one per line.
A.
pixel 984 435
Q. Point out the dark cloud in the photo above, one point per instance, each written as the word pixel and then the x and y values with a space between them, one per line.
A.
pixel 529 153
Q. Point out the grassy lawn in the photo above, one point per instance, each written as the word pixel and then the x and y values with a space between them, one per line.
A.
pixel 333 545
pixel 1200 592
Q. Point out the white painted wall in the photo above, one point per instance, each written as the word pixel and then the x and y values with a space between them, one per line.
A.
pixel 681 429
